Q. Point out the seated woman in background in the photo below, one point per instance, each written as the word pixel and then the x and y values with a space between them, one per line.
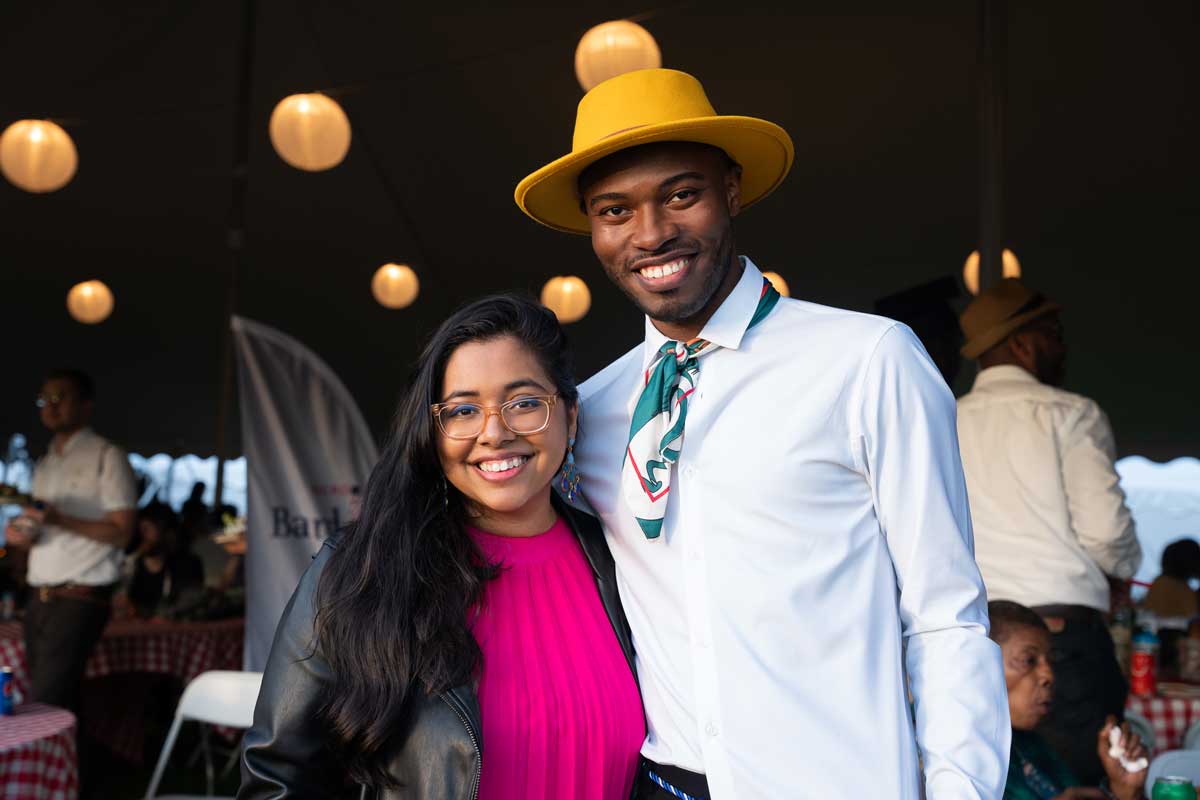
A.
pixel 166 575
pixel 1034 772
pixel 1170 595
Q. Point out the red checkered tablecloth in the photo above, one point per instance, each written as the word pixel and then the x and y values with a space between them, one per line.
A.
pixel 1170 717
pixel 37 754
pixel 180 649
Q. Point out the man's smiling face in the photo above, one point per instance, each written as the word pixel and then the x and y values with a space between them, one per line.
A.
pixel 661 218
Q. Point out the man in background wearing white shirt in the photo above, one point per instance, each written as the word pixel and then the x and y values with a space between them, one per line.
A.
pixel 88 498
pixel 1050 518
pixel 809 546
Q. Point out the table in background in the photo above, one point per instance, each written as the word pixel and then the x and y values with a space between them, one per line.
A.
pixel 180 649
pixel 1169 716
pixel 37 754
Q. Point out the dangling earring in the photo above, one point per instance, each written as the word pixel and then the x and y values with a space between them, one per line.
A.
pixel 445 494
pixel 570 475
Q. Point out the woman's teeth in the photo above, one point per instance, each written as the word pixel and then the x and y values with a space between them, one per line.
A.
pixel 664 270
pixel 503 466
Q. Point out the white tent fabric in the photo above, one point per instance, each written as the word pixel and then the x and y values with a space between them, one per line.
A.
pixel 308 453
pixel 1165 502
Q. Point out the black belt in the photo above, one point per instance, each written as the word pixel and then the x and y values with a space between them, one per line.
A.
pixel 75 591
pixel 1070 613
pixel 692 783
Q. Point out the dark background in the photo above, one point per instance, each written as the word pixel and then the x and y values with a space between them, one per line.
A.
pixel 451 108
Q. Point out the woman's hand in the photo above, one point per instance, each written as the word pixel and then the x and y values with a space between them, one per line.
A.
pixel 1125 785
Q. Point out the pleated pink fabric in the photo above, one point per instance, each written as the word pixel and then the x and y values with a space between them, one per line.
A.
pixel 561 713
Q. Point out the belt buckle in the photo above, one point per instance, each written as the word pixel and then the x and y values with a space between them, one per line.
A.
pixel 44 594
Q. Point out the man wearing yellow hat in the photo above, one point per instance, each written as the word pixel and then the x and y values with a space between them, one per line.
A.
pixel 809 546
pixel 1049 515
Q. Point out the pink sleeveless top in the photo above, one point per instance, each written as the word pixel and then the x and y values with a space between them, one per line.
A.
pixel 562 717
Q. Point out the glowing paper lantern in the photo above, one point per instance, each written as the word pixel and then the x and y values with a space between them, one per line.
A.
pixel 310 131
pixel 778 282
pixel 38 156
pixel 613 48
pixel 1010 268
pixel 568 297
pixel 395 285
pixel 90 302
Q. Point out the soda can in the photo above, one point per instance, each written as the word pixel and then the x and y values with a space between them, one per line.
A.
pixel 6 691
pixel 1173 788
pixel 1143 665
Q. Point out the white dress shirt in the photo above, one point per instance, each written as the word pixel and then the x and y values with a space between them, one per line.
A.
pixel 88 479
pixel 1050 517
pixel 817 543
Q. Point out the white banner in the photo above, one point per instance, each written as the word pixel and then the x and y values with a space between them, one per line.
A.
pixel 308 454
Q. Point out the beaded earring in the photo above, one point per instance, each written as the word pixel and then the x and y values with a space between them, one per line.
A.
pixel 570 474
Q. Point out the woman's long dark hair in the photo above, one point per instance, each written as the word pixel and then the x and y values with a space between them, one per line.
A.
pixel 394 598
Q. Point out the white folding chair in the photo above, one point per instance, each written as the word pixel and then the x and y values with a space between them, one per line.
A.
pixel 1184 763
pixel 1142 727
pixel 1191 739
pixel 219 697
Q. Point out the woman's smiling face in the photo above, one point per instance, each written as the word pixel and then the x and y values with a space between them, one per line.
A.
pixel 506 477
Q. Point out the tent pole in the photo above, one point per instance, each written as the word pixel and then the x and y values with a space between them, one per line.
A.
pixel 236 239
pixel 993 46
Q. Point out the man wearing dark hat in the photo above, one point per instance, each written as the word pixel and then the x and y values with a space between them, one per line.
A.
pixel 1050 518
pixel 808 547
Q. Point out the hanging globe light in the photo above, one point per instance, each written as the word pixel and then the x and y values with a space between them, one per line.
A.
pixel 778 282
pixel 90 302
pixel 614 48
pixel 38 156
pixel 1010 268
pixel 310 131
pixel 568 297
pixel 395 285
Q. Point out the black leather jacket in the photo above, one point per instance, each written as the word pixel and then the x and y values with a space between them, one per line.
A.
pixel 286 754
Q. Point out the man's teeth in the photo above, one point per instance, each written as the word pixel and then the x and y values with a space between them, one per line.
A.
pixel 664 270
pixel 502 466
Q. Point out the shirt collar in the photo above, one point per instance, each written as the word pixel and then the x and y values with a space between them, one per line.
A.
pixel 76 439
pixel 1002 373
pixel 728 324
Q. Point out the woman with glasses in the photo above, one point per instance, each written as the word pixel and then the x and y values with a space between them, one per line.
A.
pixel 463 638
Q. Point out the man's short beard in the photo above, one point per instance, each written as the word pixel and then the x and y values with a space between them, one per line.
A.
pixel 676 311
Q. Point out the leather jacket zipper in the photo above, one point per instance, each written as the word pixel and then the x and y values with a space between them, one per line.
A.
pixel 462 716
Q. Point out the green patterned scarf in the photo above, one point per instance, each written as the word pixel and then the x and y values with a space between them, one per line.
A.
pixel 656 430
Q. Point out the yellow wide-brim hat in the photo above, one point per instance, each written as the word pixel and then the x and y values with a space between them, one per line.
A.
pixel 642 107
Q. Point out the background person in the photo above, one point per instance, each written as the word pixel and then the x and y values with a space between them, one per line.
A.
pixel 166 575
pixel 1170 595
pixel 1050 518
pixel 88 494
pixel 1034 771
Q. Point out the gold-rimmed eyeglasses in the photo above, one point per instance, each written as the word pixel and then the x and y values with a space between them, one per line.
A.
pixel 523 416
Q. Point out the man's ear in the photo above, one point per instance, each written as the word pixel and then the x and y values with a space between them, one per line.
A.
pixel 1022 349
pixel 733 189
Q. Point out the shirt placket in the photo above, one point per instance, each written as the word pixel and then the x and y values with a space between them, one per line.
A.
pixel 692 479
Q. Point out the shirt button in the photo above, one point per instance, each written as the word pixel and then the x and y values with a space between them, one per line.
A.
pixel 689 470
pixel 711 730
pixel 694 554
